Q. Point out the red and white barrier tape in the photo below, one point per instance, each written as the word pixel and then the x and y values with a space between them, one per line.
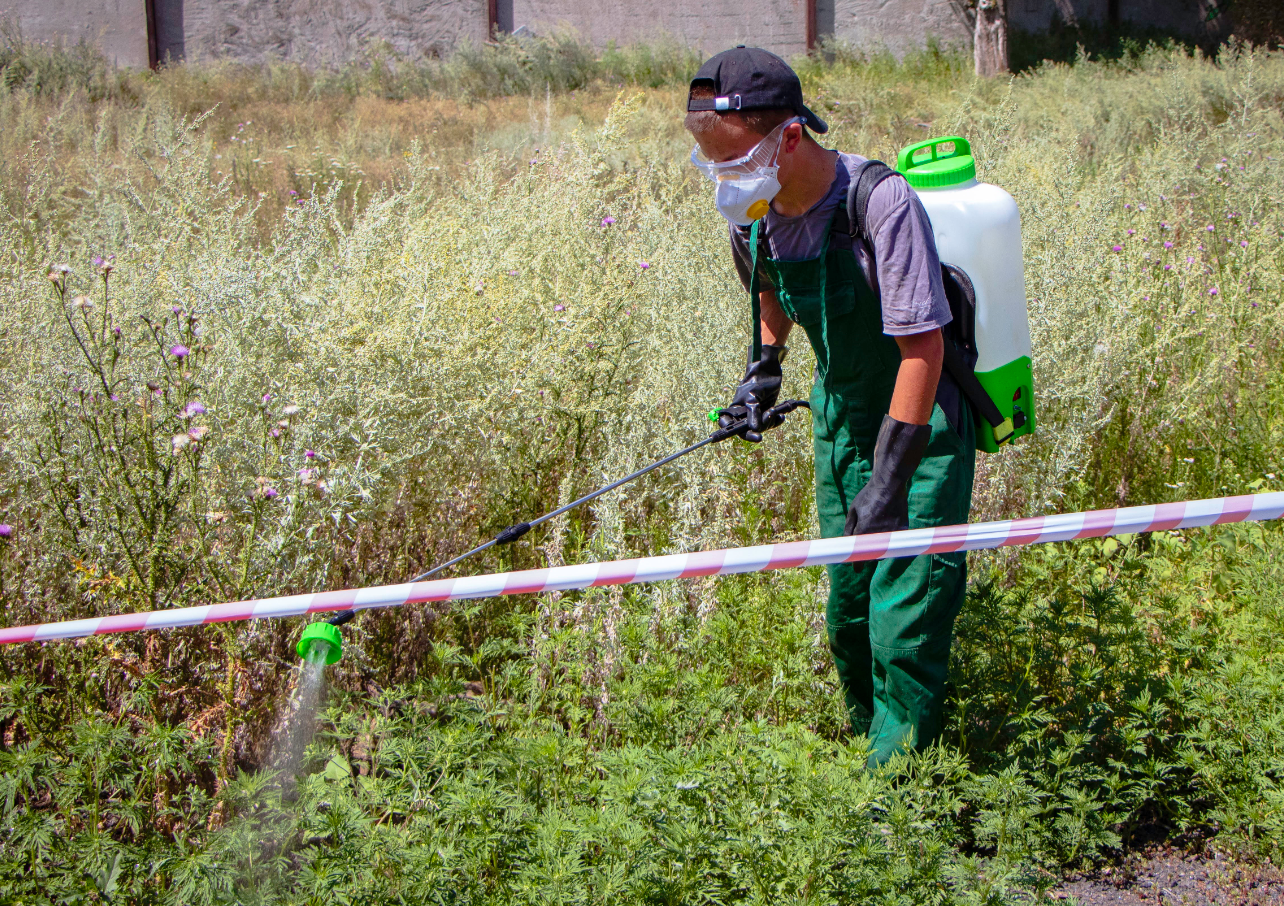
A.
pixel 945 539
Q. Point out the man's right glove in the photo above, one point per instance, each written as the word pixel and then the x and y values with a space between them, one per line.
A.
pixel 758 391
pixel 883 504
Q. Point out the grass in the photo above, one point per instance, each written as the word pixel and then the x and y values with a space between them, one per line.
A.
pixel 441 333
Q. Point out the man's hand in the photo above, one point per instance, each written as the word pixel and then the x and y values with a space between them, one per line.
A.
pixel 758 391
pixel 883 504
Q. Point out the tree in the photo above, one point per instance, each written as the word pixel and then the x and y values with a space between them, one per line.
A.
pixel 990 37
pixel 988 22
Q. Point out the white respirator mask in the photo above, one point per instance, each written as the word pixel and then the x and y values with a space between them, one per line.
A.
pixel 744 188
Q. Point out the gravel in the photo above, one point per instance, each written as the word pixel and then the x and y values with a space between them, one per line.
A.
pixel 1172 877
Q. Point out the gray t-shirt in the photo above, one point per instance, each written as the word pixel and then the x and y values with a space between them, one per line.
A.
pixel 903 269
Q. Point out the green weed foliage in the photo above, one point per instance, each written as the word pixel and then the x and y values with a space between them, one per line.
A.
pixel 213 394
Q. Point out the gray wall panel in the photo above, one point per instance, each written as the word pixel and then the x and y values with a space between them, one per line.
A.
pixel 778 25
pixel 119 27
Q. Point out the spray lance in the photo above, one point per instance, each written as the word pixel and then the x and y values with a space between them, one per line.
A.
pixel 326 632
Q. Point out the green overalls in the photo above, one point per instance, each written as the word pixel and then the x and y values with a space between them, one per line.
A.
pixel 890 622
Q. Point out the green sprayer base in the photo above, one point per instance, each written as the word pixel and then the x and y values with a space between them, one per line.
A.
pixel 1011 386
pixel 321 632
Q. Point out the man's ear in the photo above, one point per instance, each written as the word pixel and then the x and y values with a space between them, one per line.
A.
pixel 791 138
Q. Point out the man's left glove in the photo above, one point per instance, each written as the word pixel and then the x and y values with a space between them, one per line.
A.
pixel 758 391
pixel 883 504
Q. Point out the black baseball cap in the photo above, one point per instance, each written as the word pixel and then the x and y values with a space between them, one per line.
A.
pixel 750 78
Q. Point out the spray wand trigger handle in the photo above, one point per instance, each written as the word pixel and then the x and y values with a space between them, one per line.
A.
pixel 512 533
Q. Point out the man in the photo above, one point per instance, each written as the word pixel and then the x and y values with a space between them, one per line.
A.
pixel 893 438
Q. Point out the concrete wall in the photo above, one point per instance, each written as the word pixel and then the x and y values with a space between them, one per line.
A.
pixel 898 25
pixel 318 32
pixel 777 25
pixel 313 31
pixel 119 27
pixel 1188 18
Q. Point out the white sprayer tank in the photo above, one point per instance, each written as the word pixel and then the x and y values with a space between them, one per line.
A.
pixel 978 230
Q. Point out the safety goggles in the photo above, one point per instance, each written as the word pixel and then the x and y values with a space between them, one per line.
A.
pixel 760 156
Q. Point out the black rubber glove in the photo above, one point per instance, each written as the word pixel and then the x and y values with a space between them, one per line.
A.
pixel 758 391
pixel 883 504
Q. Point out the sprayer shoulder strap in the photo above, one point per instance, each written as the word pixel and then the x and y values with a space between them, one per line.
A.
pixel 867 176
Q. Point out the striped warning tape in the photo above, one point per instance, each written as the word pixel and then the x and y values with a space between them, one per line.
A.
pixel 911 543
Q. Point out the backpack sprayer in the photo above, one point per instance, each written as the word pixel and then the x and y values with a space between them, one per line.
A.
pixel 325 633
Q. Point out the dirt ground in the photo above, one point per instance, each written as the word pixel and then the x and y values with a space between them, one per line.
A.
pixel 1172 877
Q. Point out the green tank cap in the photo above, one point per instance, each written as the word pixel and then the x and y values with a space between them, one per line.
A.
pixel 321 632
pixel 929 165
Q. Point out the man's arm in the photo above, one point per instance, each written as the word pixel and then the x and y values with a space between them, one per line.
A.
pixel 915 390
pixel 776 324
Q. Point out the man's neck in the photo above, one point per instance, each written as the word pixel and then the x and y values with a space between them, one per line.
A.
pixel 813 173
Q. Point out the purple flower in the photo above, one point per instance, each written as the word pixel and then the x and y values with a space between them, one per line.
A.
pixel 180 351
pixel 644 265
pixel 559 307
pixel 1164 225
pixel 1190 260
pixel 1213 291
pixel 1127 207
pixel 1168 267
pixel 195 407
pixel 275 432
pixel 305 474
pixel 1117 248
pixel 270 493
pixel 1130 232
pixel 6 530
pixel 310 454
pixel 1243 243
pixel 608 220
pixel 267 398
pixel 1168 245
pixel 1210 228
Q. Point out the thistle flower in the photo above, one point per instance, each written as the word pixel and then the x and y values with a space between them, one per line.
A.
pixel 82 303
pixel 305 475
pixel 6 530
pixel 194 408
pixel 290 410
pixel 198 433
pixel 269 493
pixel 1168 245
pixel 1117 248
pixel 105 265
pixel 180 442
pixel 267 398
pixel 275 432
pixel 559 307
pixel 310 454
pixel 608 220
pixel 644 265
pixel 180 351
pixel 1210 228
pixel 1213 291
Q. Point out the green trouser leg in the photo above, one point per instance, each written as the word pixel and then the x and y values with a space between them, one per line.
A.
pixel 890 622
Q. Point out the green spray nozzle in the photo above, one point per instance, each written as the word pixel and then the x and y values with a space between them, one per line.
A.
pixel 713 414
pixel 321 632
